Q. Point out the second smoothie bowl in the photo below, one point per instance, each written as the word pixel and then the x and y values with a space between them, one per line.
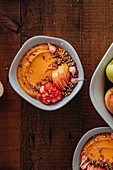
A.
pixel 46 72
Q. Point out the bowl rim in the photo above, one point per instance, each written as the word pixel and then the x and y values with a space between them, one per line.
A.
pixel 82 142
pixel 106 117
pixel 28 98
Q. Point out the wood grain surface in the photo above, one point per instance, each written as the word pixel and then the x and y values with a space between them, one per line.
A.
pixel 30 138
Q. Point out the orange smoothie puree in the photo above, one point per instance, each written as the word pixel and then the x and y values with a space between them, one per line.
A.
pixel 100 148
pixel 35 69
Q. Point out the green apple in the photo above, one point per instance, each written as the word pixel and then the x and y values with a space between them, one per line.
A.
pixel 109 100
pixel 109 71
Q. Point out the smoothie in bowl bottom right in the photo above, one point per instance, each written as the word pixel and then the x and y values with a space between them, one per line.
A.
pixel 97 153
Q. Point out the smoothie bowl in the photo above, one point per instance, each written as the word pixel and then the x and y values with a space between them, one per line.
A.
pixel 95 150
pixel 46 72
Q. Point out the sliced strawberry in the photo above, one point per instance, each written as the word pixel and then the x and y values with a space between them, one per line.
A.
pixel 111 136
pixel 72 70
pixel 52 48
pixel 74 81
pixel 41 90
pixel 84 157
pixel 84 166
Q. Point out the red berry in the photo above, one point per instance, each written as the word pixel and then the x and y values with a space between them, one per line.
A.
pixel 84 166
pixel 72 70
pixel 84 157
pixel 52 48
pixel 74 81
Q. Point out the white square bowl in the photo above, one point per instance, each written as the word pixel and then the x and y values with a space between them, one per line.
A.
pixel 26 46
pixel 82 142
pixel 97 86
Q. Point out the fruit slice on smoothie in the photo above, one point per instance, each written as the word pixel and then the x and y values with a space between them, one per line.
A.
pixel 72 70
pixel 52 48
pixel 66 71
pixel 57 81
pixel 1 89
pixel 61 76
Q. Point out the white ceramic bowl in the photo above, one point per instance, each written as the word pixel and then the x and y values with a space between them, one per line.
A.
pixel 97 86
pixel 82 142
pixel 26 46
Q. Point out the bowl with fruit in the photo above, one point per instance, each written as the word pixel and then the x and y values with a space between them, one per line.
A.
pixel 101 87
pixel 46 72
pixel 95 150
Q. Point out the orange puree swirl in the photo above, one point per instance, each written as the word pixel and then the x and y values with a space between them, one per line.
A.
pixel 99 147
pixel 35 68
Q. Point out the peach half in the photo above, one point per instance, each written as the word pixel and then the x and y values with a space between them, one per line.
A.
pixel 109 100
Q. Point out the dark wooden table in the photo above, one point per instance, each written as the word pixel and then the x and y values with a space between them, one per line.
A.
pixel 30 138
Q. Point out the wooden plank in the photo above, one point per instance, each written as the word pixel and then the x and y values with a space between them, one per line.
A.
pixel 10 102
pixel 95 40
pixel 48 138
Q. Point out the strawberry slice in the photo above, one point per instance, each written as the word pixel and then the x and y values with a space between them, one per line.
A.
pixel 84 157
pixel 72 70
pixel 74 81
pixel 111 136
pixel 84 166
pixel 52 48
